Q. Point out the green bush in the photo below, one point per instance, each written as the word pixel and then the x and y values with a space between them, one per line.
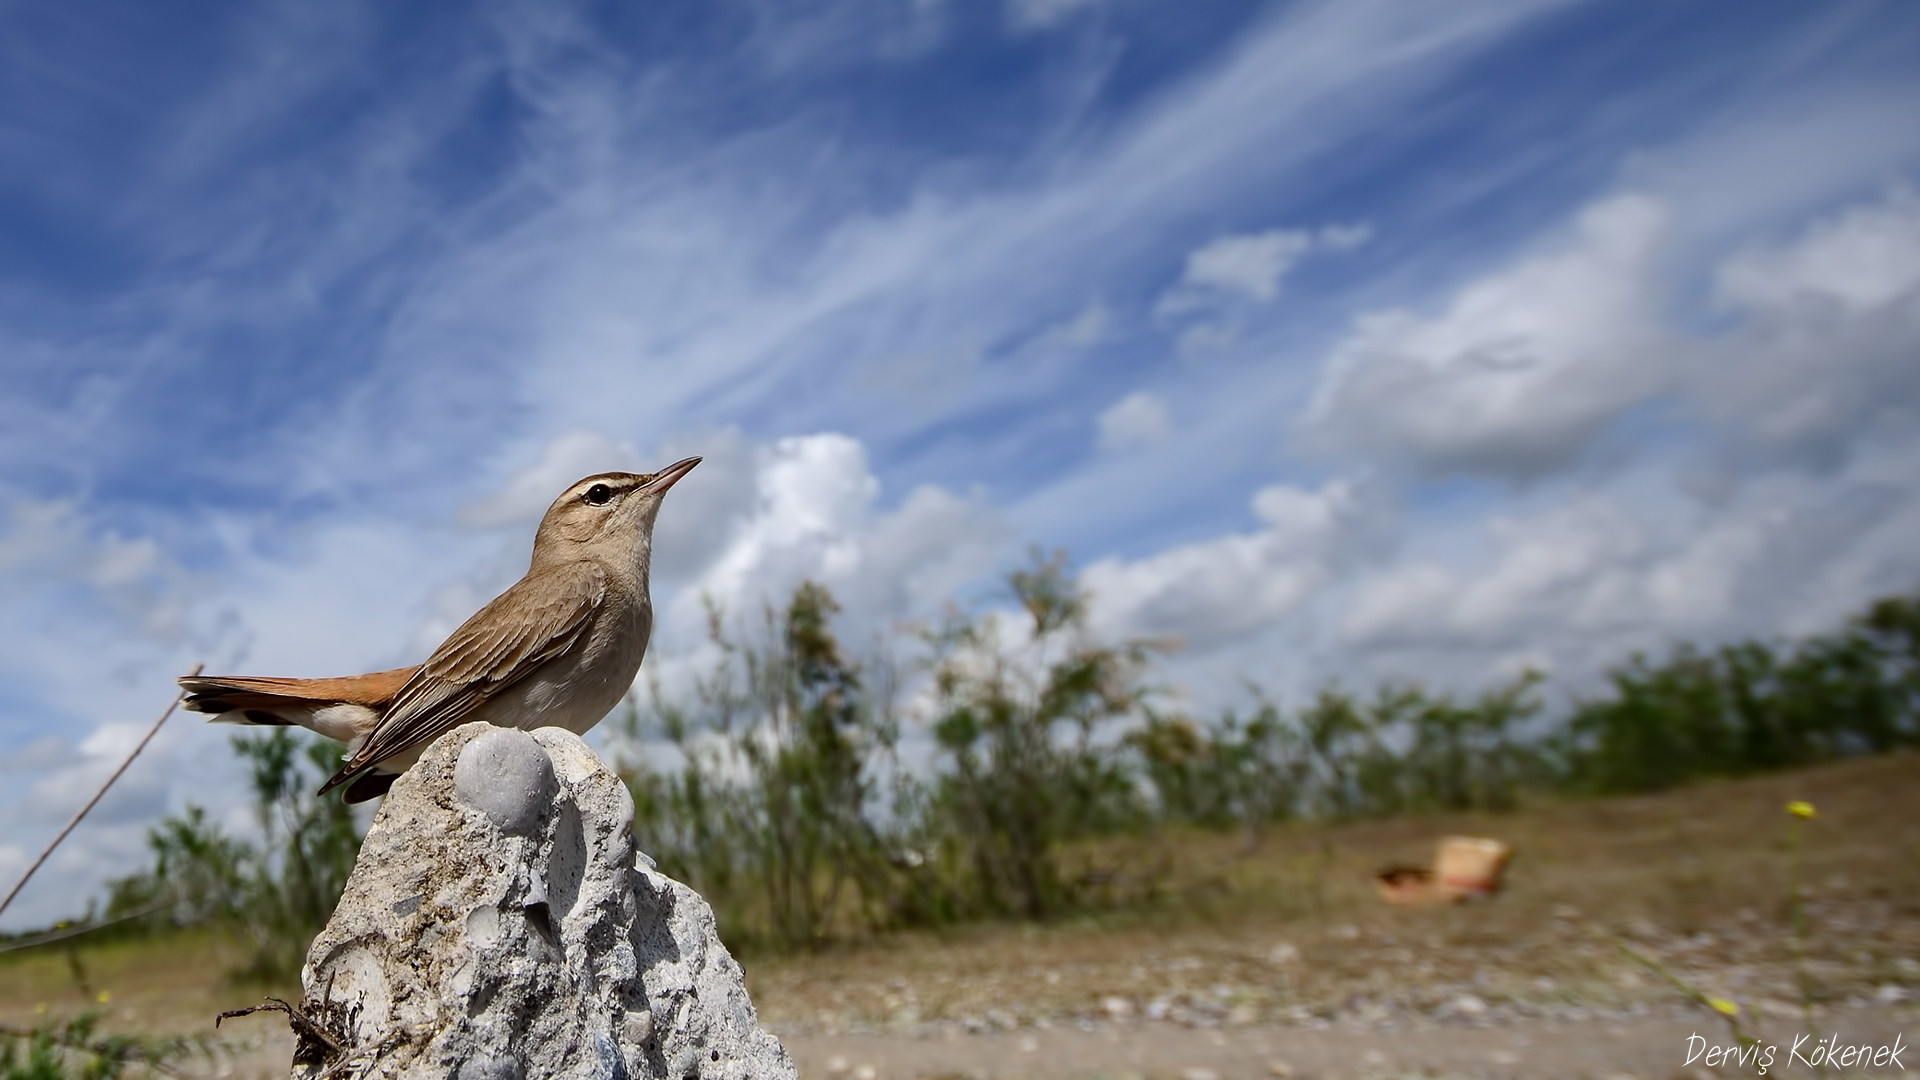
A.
pixel 1022 769
pixel 1752 707
pixel 280 890
pixel 771 812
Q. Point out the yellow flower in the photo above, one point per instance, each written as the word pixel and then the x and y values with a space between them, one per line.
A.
pixel 103 997
pixel 1800 809
pixel 1724 1007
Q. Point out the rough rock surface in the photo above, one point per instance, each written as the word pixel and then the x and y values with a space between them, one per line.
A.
pixel 499 925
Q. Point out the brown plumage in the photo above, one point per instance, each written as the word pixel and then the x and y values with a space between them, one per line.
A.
pixel 558 649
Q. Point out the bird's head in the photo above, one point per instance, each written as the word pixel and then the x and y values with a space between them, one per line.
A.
pixel 614 509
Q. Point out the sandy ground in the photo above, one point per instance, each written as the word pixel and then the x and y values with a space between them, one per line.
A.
pixel 1600 1047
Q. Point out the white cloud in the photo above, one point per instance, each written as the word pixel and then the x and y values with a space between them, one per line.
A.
pixel 1210 592
pixel 1137 420
pixel 1826 350
pixel 813 517
pixel 1524 369
pixel 1253 265
pixel 1250 265
pixel 812 490
pixel 1703 539
pixel 1224 276
pixel 185 761
pixel 1865 257
pixel 1586 566
pixel 1521 370
pixel 1578 583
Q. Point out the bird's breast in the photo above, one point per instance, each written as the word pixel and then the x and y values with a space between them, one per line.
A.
pixel 578 688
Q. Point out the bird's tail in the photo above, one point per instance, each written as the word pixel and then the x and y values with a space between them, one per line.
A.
pixel 344 710
pixel 252 699
pixel 239 700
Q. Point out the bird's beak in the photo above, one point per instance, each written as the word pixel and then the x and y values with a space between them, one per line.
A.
pixel 670 475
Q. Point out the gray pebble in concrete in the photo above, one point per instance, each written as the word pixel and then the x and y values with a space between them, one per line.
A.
pixel 506 775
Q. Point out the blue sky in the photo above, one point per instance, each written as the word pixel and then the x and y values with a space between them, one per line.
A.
pixel 1361 340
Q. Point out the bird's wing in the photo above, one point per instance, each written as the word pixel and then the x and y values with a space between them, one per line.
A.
pixel 503 643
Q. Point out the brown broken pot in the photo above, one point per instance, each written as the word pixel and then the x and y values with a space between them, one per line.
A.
pixel 1405 886
pixel 1463 867
pixel 1470 866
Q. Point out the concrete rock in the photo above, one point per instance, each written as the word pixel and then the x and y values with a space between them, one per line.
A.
pixel 500 926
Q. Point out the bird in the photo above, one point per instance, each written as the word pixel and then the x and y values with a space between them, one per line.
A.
pixel 559 648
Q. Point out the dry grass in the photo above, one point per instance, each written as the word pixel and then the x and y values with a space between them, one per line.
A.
pixel 171 984
pixel 1697 876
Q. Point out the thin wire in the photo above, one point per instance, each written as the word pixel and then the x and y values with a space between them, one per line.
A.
pixel 151 732
pixel 74 932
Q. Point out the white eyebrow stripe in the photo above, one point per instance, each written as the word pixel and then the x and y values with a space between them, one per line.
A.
pixel 619 484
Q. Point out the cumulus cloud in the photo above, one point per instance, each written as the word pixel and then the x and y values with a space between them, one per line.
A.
pixel 1830 330
pixel 811 490
pixel 1864 258
pixel 812 516
pixel 1809 361
pixel 1577 584
pixel 1137 420
pixel 1587 566
pixel 1521 370
pixel 1205 594
pixel 1524 369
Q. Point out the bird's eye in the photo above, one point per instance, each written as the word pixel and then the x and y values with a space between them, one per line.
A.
pixel 598 494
